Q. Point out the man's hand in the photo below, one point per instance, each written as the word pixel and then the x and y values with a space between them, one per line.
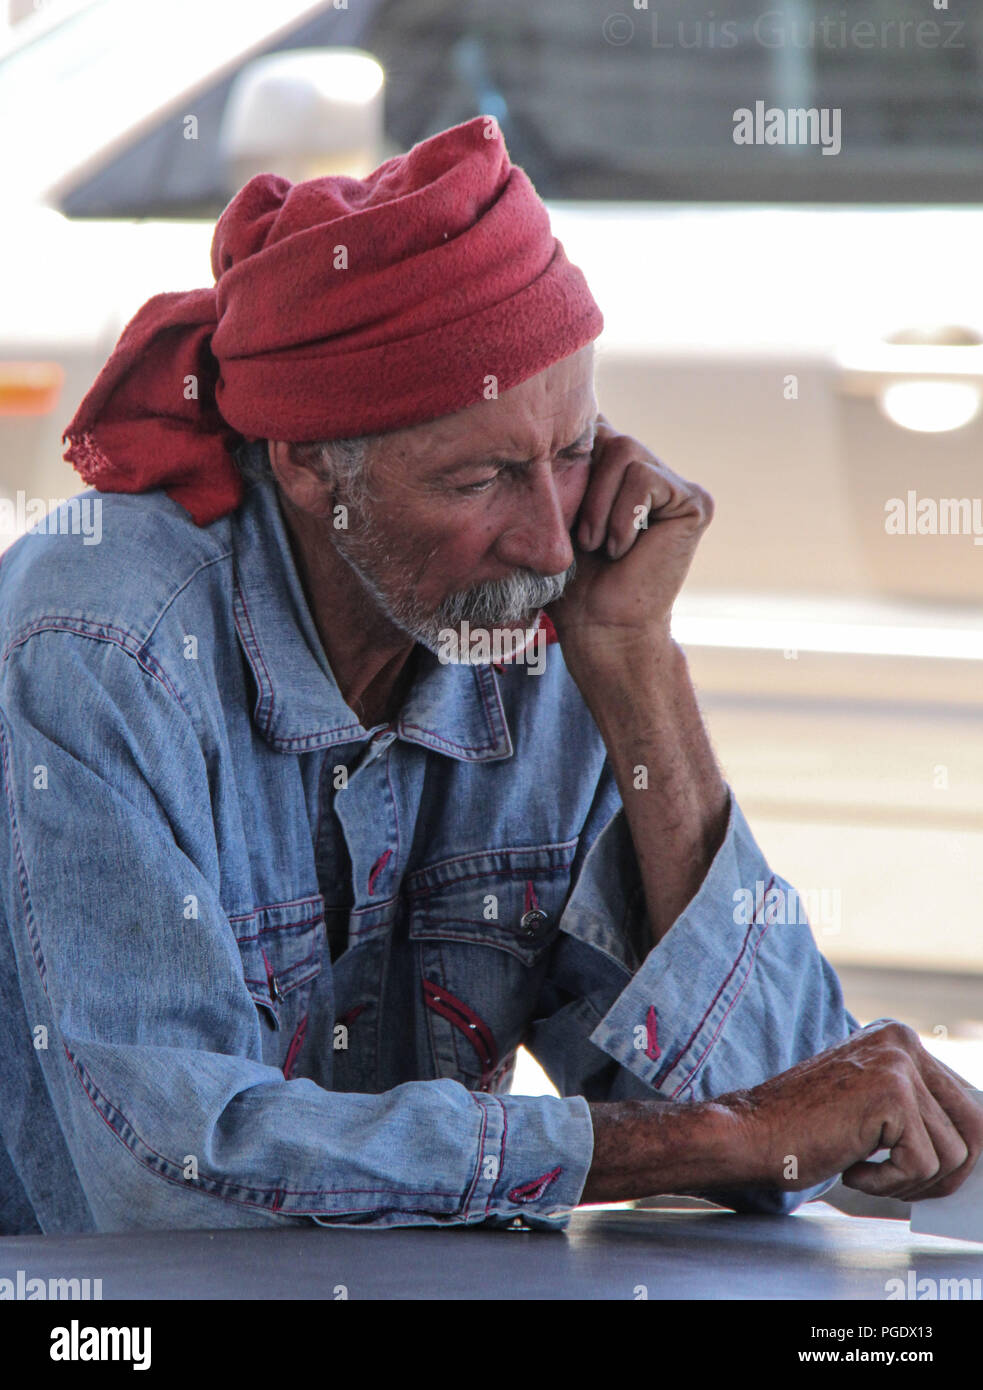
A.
pixel 635 534
pixel 878 1090
pixel 614 631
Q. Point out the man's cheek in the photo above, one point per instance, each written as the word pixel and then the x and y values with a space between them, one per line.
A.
pixel 437 569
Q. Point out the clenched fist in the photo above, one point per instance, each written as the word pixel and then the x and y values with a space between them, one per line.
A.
pixel 878 1090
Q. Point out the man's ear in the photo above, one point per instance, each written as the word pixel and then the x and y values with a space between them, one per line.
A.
pixel 297 479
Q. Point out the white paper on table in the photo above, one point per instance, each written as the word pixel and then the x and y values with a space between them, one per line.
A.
pixel 961 1213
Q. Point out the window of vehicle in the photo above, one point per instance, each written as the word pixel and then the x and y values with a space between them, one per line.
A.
pixel 596 102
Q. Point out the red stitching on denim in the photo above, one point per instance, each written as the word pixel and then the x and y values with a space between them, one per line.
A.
pixel 516 872
pixel 289 973
pixel 478 1166
pixel 505 849
pixel 55 622
pixel 652 1048
pixel 293 1051
pixel 443 1002
pixel 518 947
pixel 486 1057
pixel 533 1190
pixel 305 743
pixel 448 742
pixel 378 867
pixel 392 795
pixel 682 1051
pixel 531 899
pixel 494 713
pixel 179 1180
pixel 269 972
pixel 37 954
pixel 350 1016
pixel 505 1132
pixel 495 1074
pixel 287 926
pixel 737 996
pixel 501 1157
pixel 274 907
pixel 267 699
pixel 335 732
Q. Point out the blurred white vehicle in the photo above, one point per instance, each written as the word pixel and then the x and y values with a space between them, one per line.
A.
pixel 801 333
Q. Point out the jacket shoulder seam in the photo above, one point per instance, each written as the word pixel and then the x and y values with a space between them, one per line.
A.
pixel 99 632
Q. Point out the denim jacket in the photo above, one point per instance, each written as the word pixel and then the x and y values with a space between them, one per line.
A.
pixel 260 965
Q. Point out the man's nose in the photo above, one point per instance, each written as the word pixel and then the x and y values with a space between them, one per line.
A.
pixel 538 537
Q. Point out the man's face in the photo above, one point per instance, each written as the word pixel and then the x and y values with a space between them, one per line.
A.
pixel 469 515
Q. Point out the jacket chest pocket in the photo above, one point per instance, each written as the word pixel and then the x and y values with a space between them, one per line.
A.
pixel 282 951
pixel 482 926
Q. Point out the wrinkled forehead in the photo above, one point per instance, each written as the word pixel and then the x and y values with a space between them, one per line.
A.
pixel 546 413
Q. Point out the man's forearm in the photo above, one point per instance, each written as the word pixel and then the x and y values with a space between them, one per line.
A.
pixel 674 797
pixel 645 1147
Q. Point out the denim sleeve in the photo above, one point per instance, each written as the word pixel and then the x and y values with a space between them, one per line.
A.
pixel 734 993
pixel 153 1047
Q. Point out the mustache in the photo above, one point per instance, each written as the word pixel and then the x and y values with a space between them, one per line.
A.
pixel 504 602
pixel 393 583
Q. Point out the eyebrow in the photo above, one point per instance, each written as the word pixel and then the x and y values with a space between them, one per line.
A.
pixel 487 462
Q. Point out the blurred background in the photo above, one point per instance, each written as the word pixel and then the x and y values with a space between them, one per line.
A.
pixel 801 331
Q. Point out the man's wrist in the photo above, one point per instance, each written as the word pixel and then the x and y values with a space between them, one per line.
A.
pixel 626 674
pixel 618 652
pixel 675 799
pixel 644 1148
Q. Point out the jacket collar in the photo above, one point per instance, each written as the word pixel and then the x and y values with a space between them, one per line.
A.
pixel 452 709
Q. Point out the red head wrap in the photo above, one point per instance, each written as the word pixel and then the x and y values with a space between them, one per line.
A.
pixel 341 307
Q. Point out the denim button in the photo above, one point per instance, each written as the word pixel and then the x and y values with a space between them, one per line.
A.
pixel 532 921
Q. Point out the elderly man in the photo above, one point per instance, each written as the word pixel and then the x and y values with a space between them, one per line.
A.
pixel 293 864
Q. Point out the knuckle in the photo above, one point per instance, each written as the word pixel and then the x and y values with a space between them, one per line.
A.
pixel 940 1189
pixel 897 1036
pixel 927 1168
pixel 904 1033
pixel 960 1156
pixel 894 1078
pixel 948 1185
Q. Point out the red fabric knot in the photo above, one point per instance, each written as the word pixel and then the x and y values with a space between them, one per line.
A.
pixel 450 273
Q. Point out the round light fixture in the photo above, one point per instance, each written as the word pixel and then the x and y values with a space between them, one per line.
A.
pixel 931 407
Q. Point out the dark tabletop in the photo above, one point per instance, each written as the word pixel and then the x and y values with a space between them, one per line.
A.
pixel 605 1253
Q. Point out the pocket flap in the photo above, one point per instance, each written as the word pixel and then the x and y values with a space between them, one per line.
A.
pixel 510 898
pixel 281 947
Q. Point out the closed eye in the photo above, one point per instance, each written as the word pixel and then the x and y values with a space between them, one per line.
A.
pixel 573 456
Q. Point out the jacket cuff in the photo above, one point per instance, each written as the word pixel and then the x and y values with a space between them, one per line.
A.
pixel 513 1188
pixel 674 1010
